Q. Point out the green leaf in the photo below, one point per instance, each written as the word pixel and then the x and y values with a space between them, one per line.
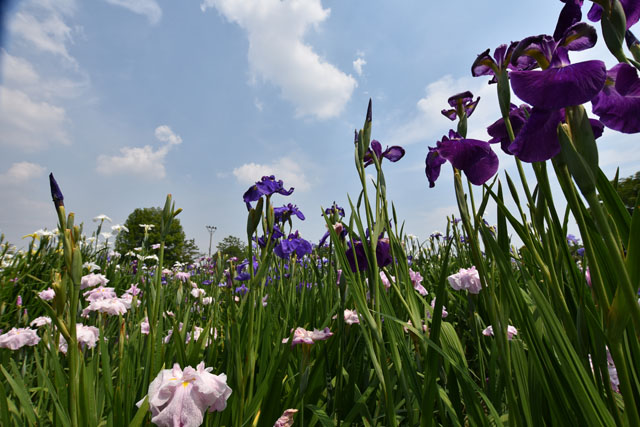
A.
pixel 140 414
pixel 18 387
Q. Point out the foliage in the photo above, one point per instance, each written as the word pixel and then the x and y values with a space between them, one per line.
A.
pixel 629 189
pixel 177 247
pixel 232 246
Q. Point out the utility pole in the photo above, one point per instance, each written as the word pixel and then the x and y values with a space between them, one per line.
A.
pixel 211 229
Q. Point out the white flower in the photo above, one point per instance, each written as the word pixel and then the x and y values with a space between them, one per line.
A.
pixel 178 397
pixel 106 235
pixel 86 336
pixel 466 278
pixel 197 292
pixel 40 321
pixel 99 293
pixel 511 331
pixel 119 228
pixel 101 218
pixel 207 300
pixel 17 338
pixel 111 306
pixel 91 280
pixel 91 266
pixel 147 227
pixel 351 317
pixel 47 295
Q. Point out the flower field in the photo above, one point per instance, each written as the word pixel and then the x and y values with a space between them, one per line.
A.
pixel 513 323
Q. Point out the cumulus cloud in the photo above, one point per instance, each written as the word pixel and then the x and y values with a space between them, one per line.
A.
pixel 358 64
pixel 144 161
pixel 278 54
pixel 30 124
pixel 289 170
pixel 21 172
pixel 148 8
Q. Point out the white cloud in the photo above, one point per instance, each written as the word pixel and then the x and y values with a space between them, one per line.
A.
pixel 357 65
pixel 50 34
pixel 427 124
pixel 290 171
pixel 30 124
pixel 148 8
pixel 17 71
pixel 143 161
pixel 21 172
pixel 278 54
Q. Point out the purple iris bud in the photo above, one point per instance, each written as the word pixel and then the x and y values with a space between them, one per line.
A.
pixel 286 211
pixel 461 102
pixel 474 157
pixel 19 301
pixel 631 10
pixel 498 130
pixel 56 194
pixel 265 187
pixel 393 154
pixel 618 105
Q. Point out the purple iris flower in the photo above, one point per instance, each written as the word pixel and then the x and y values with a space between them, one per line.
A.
pixel 487 65
pixel 393 153
pixel 292 244
pixel 277 233
pixel 242 290
pixel 265 187
pixel 559 84
pixel 286 211
pixel 334 209
pixel 461 102
pixel 618 104
pixel 383 254
pixel 498 130
pixel 474 157
pixel 570 14
pixel 631 10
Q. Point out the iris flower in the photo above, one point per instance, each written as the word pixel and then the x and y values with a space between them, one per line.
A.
pixel 292 244
pixel 179 398
pixel 285 212
pixel 302 336
pixel 466 278
pixel 265 187
pixel 618 105
pixel 19 337
pixel 558 85
pixel 461 102
pixel 474 157
pixel 393 153
pixel 631 10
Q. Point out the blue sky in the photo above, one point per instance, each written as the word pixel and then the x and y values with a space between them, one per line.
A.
pixel 128 100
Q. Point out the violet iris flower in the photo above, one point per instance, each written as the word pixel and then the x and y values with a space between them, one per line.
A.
pixel 474 157
pixel 293 244
pixel 393 153
pixel 265 187
pixel 286 211
pixel 487 65
pixel 461 102
pixel 618 104
pixel 334 209
pixel 383 254
pixel 559 84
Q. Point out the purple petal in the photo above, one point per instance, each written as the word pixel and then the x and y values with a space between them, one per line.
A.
pixel 597 127
pixel 472 156
pixel 464 96
pixel 595 13
pixel 555 88
pixel 484 65
pixel 569 15
pixel 433 162
pixel 539 48
pixel 614 109
pixel 498 130
pixel 393 153
pixel 578 37
pixel 383 253
pixel 376 148
pixel 450 114
pixel 537 141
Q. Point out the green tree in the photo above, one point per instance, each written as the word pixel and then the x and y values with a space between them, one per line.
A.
pixel 232 246
pixel 177 248
pixel 628 188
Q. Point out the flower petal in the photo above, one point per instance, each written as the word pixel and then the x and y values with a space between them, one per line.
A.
pixel 474 157
pixel 556 88
pixel 537 141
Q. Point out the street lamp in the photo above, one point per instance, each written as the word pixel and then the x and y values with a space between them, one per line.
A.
pixel 211 229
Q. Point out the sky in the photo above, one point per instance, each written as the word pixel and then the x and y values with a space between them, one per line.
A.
pixel 126 101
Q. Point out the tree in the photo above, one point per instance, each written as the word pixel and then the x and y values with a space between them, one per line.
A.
pixel 628 189
pixel 232 246
pixel 177 248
